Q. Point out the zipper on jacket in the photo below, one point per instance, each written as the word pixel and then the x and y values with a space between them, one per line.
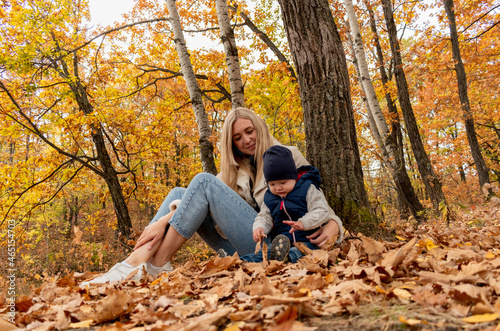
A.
pixel 282 207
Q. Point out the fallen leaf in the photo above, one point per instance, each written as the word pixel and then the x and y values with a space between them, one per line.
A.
pixel 481 318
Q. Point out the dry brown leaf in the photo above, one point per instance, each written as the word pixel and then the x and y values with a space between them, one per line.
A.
pixel 218 264
pixel 394 258
pixel 434 277
pixel 200 322
pixel 353 254
pixel 372 248
pixel 6 326
pixel 112 307
pixel 348 286
pixel 245 315
pixel 285 321
pixel 311 282
pixel 62 322
pixel 427 298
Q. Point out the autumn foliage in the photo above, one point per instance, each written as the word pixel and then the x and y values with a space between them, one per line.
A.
pixel 55 189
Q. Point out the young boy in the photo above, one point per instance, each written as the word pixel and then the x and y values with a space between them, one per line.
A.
pixel 293 207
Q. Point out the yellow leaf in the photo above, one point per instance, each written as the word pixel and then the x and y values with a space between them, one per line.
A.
pixel 490 255
pixel 429 244
pixel 329 278
pixel 82 324
pixel 401 293
pixel 306 291
pixel 401 238
pixel 410 321
pixel 235 326
pixel 481 318
pixel 156 281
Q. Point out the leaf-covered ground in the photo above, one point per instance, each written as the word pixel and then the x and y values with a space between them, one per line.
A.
pixel 434 277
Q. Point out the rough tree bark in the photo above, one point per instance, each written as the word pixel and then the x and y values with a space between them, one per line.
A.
pixel 321 66
pixel 432 183
pixel 379 126
pixel 232 60
pixel 206 145
pixel 482 169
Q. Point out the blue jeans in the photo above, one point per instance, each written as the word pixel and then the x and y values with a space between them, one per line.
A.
pixel 208 202
pixel 293 255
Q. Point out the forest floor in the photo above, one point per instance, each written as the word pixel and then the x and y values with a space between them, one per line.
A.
pixel 439 275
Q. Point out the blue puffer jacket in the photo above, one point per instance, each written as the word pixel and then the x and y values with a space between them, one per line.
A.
pixel 294 205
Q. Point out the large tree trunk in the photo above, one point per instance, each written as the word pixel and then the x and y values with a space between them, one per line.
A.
pixel 379 126
pixel 206 145
pixel 232 60
pixel 482 169
pixel 431 181
pixel 323 79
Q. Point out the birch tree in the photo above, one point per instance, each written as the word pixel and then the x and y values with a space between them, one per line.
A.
pixel 377 120
pixel 232 60
pixel 206 145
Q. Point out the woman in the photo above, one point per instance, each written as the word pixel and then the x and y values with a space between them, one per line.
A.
pixel 221 209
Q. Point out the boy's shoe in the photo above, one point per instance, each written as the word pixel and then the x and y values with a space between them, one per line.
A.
pixel 154 271
pixel 221 252
pixel 280 248
pixel 117 273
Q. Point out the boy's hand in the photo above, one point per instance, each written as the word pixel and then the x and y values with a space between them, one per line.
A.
pixel 258 234
pixel 295 225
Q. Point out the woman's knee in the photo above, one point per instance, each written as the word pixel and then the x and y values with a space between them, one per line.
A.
pixel 176 193
pixel 202 177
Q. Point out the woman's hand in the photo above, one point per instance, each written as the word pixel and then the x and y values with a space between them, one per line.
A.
pixel 153 232
pixel 324 233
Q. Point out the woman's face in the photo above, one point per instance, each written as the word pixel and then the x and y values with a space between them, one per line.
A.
pixel 244 136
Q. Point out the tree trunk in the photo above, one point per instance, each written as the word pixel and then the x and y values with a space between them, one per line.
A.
pixel 323 79
pixel 206 145
pixel 395 133
pixel 482 169
pixel 232 60
pixel 108 173
pixel 431 181
pixel 378 124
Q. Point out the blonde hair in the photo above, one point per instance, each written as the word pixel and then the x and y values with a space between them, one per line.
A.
pixel 231 163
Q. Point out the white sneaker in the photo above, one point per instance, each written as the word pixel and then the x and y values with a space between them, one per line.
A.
pixel 154 271
pixel 117 273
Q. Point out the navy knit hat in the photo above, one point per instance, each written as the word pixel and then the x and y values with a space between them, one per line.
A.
pixel 279 164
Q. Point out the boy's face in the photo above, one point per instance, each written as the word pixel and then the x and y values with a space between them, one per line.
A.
pixel 281 187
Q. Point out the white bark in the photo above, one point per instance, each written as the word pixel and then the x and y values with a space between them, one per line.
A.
pixel 381 128
pixel 206 146
pixel 232 60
